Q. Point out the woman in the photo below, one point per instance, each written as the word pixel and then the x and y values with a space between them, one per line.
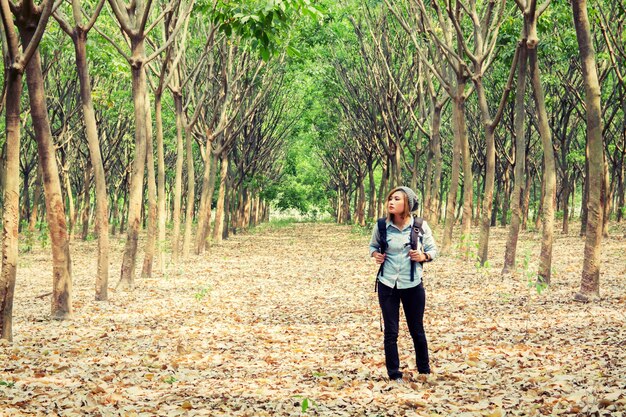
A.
pixel 396 283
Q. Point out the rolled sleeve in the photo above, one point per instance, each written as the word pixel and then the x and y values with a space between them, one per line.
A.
pixel 374 245
pixel 430 247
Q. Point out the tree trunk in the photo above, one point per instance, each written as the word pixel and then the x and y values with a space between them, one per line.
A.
pixel 70 198
pixel 86 200
pixel 61 303
pixel 191 194
pixel 549 174
pixel 457 121
pixel 206 198
pixel 506 196
pixel 161 197
pixel 218 228
pixel 371 209
pixel 520 169
pixel 435 198
pixel 25 196
pixel 11 211
pixel 490 174
pixel 590 280
pixel 468 178
pixel 139 86
pixel 566 194
pixel 34 213
pixel 585 199
pixel 360 206
pixel 526 200
pixel 606 200
pixel 148 259
pixel 178 179
pixel 382 191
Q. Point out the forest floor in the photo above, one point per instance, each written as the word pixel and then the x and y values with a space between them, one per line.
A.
pixel 284 319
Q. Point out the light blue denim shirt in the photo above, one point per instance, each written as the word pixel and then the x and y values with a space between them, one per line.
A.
pixel 397 267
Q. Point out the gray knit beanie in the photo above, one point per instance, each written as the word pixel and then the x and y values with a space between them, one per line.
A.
pixel 411 196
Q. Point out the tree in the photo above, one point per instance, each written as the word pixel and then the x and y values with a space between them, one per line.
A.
pixel 590 281
pixel 78 33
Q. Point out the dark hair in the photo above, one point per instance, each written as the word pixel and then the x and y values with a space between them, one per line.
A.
pixel 407 210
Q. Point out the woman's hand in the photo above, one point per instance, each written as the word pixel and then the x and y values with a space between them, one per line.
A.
pixel 378 257
pixel 417 256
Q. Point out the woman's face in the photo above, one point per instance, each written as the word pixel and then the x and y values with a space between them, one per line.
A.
pixel 395 205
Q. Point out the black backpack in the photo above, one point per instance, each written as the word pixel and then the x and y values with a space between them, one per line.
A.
pixel 417 234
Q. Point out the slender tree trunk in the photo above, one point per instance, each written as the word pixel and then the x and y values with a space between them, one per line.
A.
pixel 208 187
pixel 11 211
pixel 191 194
pixel 458 126
pixel 526 199
pixel 506 196
pixel 25 196
pixel 61 304
pixel 520 169
pixel 70 199
pixel 549 174
pixel 148 259
pixel 590 280
pixel 86 200
pixel 468 177
pixel 585 199
pixel 436 196
pixel 360 205
pixel 178 179
pixel 218 228
pixel 490 174
pixel 606 200
pixel 139 86
pixel 371 209
pixel 382 191
pixel 161 197
pixel 34 213
pixel 566 194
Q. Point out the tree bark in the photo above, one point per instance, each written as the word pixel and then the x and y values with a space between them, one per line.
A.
pixel 11 211
pixel 590 280
pixel 520 169
pixel 191 194
pixel 161 197
pixel 148 259
pixel 34 213
pixel 61 304
pixel 458 122
pixel 218 228
pixel 86 201
pixel 549 174
pixel 178 179
pixel 139 86
pixel 206 199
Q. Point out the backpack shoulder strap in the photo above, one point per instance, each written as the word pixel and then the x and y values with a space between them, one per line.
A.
pixel 382 234
pixel 417 231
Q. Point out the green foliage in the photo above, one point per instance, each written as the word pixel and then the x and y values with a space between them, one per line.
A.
pixel 170 379
pixel 27 241
pixel 8 384
pixel 305 404
pixel 44 236
pixel 202 293
pixel 264 22
pixel 538 284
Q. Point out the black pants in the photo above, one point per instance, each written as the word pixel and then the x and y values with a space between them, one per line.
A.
pixel 413 302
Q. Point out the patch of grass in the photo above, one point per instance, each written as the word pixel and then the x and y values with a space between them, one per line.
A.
pixel 202 293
